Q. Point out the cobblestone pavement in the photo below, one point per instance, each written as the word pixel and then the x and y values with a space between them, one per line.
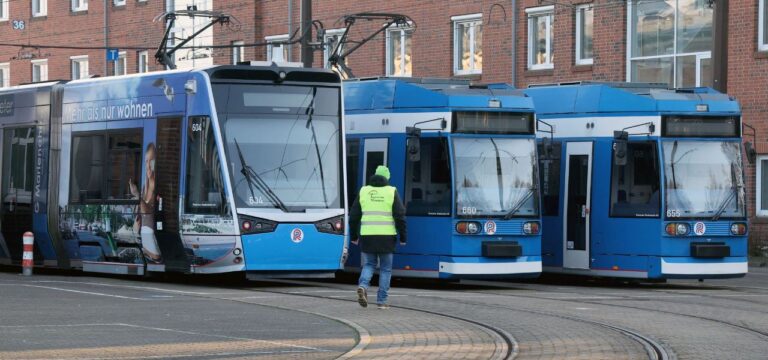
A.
pixel 75 317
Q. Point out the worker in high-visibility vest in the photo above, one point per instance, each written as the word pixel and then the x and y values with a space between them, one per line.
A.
pixel 376 219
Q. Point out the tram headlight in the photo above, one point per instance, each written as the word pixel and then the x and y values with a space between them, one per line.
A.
pixel 467 227
pixel 677 229
pixel 531 228
pixel 251 225
pixel 739 229
pixel 334 225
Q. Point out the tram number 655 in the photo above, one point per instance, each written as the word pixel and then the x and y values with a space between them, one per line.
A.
pixel 673 213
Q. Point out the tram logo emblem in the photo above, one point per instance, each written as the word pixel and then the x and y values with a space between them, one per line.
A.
pixel 297 235
pixel 490 227
pixel 699 228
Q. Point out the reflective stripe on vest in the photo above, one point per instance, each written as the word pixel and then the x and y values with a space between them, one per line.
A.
pixel 376 205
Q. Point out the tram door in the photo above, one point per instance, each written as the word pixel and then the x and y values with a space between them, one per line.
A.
pixel 167 211
pixel 375 155
pixel 578 186
pixel 17 183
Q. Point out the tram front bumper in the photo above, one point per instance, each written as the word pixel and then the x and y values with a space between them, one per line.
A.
pixel 466 267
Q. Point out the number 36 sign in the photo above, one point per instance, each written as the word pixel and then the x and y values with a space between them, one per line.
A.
pixel 18 24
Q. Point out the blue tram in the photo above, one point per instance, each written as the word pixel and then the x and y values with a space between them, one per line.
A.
pixel 644 181
pixel 464 160
pixel 229 168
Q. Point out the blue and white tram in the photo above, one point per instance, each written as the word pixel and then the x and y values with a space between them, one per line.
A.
pixel 464 160
pixel 649 182
pixel 225 169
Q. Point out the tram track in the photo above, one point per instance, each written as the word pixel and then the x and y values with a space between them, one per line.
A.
pixel 755 332
pixel 654 350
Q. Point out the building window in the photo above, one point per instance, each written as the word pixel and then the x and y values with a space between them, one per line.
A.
pixel 277 49
pixel 584 23
pixel 143 62
pixel 540 37
pixel 39 70
pixel 467 44
pixel 398 44
pixel 670 42
pixel 120 64
pixel 79 67
pixel 5 75
pixel 79 5
pixel 39 8
pixel 762 26
pixel 238 54
pixel 330 40
pixel 4 10
pixel 761 207
pixel 119 2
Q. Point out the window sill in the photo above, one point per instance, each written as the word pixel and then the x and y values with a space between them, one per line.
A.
pixel 38 17
pixel 468 73
pixel 761 54
pixel 79 12
pixel 759 219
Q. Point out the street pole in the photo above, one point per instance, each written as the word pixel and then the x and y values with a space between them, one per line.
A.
pixel 306 33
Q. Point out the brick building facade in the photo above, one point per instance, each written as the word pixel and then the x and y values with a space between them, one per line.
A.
pixel 523 42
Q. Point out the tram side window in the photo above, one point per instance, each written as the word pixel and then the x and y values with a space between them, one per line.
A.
pixel 88 153
pixel 18 165
pixel 635 186
pixel 353 162
pixel 549 180
pixel 125 165
pixel 205 185
pixel 428 181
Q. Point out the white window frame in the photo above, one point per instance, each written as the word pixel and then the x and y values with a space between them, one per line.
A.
pixel 43 65
pixel 4 10
pixel 270 40
pixel 402 30
pixel 142 59
pixel 119 2
pixel 580 60
pixel 758 186
pixel 548 11
pixel 326 51
pixel 464 19
pixel 5 68
pixel 238 52
pixel 77 60
pixel 39 8
pixel 122 57
pixel 762 37
pixel 699 55
pixel 79 5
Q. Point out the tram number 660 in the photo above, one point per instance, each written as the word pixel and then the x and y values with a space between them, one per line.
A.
pixel 469 210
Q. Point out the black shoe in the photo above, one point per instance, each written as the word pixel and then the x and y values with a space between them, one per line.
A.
pixel 362 297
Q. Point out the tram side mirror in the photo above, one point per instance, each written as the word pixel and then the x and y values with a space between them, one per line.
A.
pixel 751 152
pixel 620 147
pixel 413 148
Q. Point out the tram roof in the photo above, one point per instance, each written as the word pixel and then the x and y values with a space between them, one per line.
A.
pixel 395 94
pixel 596 97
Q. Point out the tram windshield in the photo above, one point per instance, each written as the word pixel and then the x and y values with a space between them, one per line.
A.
pixel 704 179
pixel 290 151
pixel 495 177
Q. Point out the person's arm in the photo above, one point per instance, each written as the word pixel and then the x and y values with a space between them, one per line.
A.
pixel 355 214
pixel 398 213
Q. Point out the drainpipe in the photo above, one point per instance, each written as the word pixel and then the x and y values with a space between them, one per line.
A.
pixel 290 29
pixel 514 43
pixel 106 36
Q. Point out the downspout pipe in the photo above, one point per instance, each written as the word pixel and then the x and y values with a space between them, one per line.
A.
pixel 514 43
pixel 106 36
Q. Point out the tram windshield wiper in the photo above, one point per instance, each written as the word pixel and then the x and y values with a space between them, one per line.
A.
pixel 311 125
pixel 735 188
pixel 253 178
pixel 519 204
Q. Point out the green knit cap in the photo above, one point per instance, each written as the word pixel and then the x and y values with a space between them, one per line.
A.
pixel 383 171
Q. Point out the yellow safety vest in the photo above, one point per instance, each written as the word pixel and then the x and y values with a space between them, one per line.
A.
pixel 376 205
